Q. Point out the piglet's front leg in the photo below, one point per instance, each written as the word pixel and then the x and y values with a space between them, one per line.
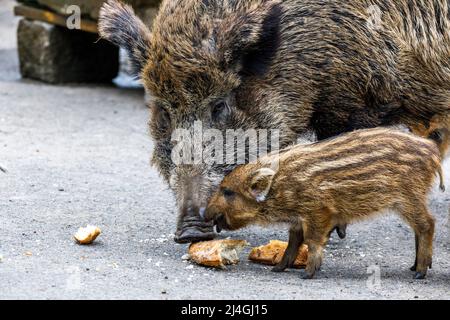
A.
pixel 295 241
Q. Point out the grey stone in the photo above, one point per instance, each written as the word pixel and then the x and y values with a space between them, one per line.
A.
pixel 57 55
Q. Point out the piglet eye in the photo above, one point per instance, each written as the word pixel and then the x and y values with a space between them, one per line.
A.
pixel 228 193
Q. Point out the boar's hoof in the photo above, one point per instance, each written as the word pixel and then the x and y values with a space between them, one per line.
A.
pixel 193 229
pixel 420 275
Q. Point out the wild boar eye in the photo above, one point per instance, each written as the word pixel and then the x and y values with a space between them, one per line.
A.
pixel 220 111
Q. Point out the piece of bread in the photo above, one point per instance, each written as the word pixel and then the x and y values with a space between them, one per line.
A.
pixel 87 235
pixel 272 253
pixel 216 253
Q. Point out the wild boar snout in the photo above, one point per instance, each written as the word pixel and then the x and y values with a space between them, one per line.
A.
pixel 192 187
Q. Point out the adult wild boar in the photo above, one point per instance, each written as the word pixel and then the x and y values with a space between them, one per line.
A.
pixel 294 65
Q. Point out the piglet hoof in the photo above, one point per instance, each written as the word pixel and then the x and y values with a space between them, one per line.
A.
pixel 342 232
pixel 278 269
pixel 420 275
pixel 308 276
pixel 413 268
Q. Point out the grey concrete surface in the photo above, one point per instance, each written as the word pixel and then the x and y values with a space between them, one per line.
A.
pixel 80 154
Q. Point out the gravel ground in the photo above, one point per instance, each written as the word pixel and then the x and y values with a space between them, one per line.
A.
pixel 80 154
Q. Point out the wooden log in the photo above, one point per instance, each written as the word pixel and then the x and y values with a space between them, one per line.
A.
pixel 52 18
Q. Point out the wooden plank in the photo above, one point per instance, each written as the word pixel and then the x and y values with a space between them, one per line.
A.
pixel 52 18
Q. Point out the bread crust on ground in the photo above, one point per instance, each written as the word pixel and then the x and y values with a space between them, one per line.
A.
pixel 272 253
pixel 87 235
pixel 216 253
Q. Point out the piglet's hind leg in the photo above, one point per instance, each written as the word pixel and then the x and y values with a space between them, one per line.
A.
pixel 316 233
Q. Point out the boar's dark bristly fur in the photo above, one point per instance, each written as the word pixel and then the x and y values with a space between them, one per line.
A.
pixel 316 187
pixel 120 25
pixel 329 66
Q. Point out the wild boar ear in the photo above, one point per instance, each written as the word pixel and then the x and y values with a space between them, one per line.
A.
pixel 119 24
pixel 247 41
pixel 260 183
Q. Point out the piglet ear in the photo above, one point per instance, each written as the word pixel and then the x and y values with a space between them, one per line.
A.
pixel 260 183
pixel 119 25
pixel 248 39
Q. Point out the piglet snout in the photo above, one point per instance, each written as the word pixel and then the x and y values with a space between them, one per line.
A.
pixel 218 218
pixel 220 223
pixel 208 215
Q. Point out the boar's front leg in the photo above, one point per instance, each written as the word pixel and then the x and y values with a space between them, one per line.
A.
pixel 295 241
